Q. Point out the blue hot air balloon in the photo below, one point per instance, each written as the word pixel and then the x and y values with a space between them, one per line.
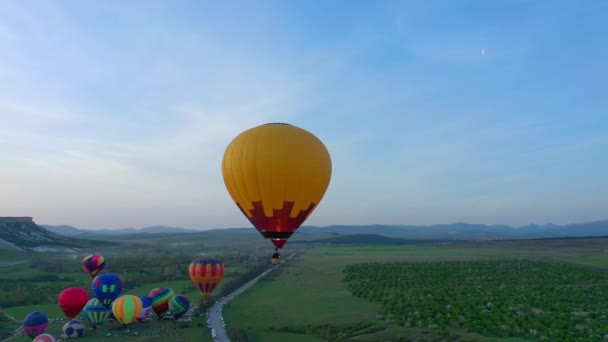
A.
pixel 106 288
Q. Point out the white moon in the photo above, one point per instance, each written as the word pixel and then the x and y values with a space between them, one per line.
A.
pixel 483 51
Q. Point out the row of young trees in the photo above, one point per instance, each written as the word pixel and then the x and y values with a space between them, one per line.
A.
pixel 522 298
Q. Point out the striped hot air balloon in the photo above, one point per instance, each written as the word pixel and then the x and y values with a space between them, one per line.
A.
pixel 127 308
pixel 95 312
pixel 206 273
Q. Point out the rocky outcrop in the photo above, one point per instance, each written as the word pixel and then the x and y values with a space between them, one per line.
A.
pixel 22 233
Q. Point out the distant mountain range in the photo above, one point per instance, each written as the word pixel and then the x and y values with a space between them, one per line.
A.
pixel 73 231
pixel 455 231
pixel 467 231
pixel 366 239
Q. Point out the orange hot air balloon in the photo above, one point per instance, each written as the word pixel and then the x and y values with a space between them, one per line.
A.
pixel 206 273
pixel 277 174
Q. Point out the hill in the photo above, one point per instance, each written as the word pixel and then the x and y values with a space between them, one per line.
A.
pixel 21 233
pixel 73 231
pixel 467 231
pixel 366 239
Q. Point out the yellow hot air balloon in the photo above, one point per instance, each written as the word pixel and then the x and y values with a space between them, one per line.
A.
pixel 277 174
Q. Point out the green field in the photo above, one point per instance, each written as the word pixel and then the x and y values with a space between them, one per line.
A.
pixel 308 299
pixel 596 261
pixel 295 295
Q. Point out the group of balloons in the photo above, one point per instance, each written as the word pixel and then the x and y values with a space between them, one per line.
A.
pixel 276 174
pixel 205 273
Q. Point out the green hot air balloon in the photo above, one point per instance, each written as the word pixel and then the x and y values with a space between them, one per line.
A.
pixel 178 306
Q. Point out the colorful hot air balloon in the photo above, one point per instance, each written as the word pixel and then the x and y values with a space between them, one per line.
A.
pixel 160 300
pixel 45 338
pixel 95 312
pixel 179 305
pixel 72 300
pixel 106 287
pixel 72 329
pixel 206 273
pixel 127 308
pixel 35 323
pixel 93 264
pixel 277 174
pixel 146 308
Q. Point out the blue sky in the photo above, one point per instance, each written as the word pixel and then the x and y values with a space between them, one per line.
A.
pixel 116 114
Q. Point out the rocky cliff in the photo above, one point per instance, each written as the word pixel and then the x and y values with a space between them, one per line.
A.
pixel 22 233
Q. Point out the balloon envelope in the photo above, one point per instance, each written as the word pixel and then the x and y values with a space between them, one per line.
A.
pixel 95 312
pixel 206 273
pixel 127 308
pixel 73 329
pixel 72 300
pixel 179 305
pixel 35 323
pixel 276 174
pixel 106 287
pixel 45 338
pixel 160 300
pixel 146 308
pixel 93 264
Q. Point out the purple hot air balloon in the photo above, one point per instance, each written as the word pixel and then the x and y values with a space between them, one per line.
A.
pixel 35 323
pixel 146 308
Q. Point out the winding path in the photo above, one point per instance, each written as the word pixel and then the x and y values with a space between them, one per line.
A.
pixel 215 314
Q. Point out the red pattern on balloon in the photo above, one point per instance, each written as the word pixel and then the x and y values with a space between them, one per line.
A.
pixel 281 225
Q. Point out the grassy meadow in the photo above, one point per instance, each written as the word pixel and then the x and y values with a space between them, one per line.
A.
pixel 309 299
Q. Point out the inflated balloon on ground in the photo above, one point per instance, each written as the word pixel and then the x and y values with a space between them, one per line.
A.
pixel 73 329
pixel 95 312
pixel 179 305
pixel 72 300
pixel 127 308
pixel 35 323
pixel 45 338
pixel 146 308
pixel 160 300
pixel 106 288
